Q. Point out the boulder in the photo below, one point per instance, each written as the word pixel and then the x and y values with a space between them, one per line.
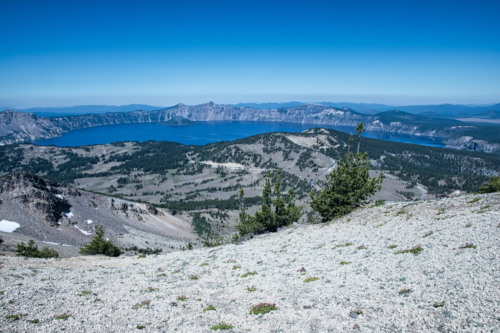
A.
pixel 244 238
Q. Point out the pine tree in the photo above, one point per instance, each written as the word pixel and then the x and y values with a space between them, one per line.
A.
pixel 100 246
pixel 346 187
pixel 492 186
pixel 276 210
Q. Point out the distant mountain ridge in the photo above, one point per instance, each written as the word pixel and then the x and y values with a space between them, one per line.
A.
pixel 373 108
pixel 18 127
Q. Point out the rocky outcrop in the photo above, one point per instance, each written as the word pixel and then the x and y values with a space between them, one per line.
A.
pixel 469 143
pixel 38 195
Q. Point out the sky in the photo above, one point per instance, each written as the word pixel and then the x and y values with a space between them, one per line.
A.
pixel 64 53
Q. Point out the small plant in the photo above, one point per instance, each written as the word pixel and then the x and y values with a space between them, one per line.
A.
pixel 100 246
pixel 31 251
pixel 362 247
pixel 231 261
pixel 468 225
pixel 236 266
pixel 193 277
pixel 85 293
pixel 63 317
pixel 221 327
pixel 405 291
pixel 415 250
pixel 204 264
pixel 262 308
pixel 162 274
pixel 392 246
pixel 141 256
pixel 468 246
pixel 401 212
pixel 428 234
pixel 345 263
pixel 149 290
pixel 209 308
pixel 14 317
pixel 140 305
pixel 474 200
pixel 140 327
pixel 438 304
pixel 311 279
pixel 181 298
pixel 251 289
pixel 175 272
pixel 358 311
pixel 441 211
pixel 34 321
pixel 248 274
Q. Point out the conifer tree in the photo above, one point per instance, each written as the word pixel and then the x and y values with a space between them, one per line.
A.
pixel 276 210
pixel 100 246
pixel 346 187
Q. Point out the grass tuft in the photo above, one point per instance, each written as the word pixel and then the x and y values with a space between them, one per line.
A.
pixel 415 250
pixel 221 327
pixel 209 308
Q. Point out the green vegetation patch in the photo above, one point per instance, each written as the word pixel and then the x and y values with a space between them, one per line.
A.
pixel 468 246
pixel 262 308
pixel 13 317
pixel 221 327
pixel 311 279
pixel 209 308
pixel 248 274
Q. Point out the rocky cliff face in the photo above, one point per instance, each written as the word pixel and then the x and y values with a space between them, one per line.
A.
pixel 17 127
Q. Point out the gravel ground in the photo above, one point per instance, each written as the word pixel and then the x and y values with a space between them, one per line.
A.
pixel 359 282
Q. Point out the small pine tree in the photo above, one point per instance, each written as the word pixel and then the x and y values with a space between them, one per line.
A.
pixel 492 186
pixel 31 250
pixel 346 187
pixel 266 219
pixel 100 246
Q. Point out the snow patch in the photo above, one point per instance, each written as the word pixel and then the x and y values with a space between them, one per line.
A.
pixel 70 214
pixel 229 165
pixel 8 226
pixel 60 196
pixel 89 221
pixel 83 231
pixel 56 243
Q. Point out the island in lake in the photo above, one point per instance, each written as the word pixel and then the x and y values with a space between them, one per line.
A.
pixel 179 121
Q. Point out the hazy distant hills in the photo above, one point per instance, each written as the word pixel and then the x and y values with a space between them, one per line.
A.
pixel 84 109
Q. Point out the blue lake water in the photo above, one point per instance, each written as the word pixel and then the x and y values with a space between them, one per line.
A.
pixel 205 132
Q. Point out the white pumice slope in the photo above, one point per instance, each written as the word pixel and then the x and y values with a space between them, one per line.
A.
pixel 362 287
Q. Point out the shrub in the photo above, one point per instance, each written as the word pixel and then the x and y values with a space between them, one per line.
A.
pixel 99 245
pixel 31 250
pixel 346 187
pixel 492 186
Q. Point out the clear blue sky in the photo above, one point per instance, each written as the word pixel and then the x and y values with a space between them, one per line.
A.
pixel 62 53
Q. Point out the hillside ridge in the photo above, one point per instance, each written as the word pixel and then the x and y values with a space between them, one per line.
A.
pixel 355 273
